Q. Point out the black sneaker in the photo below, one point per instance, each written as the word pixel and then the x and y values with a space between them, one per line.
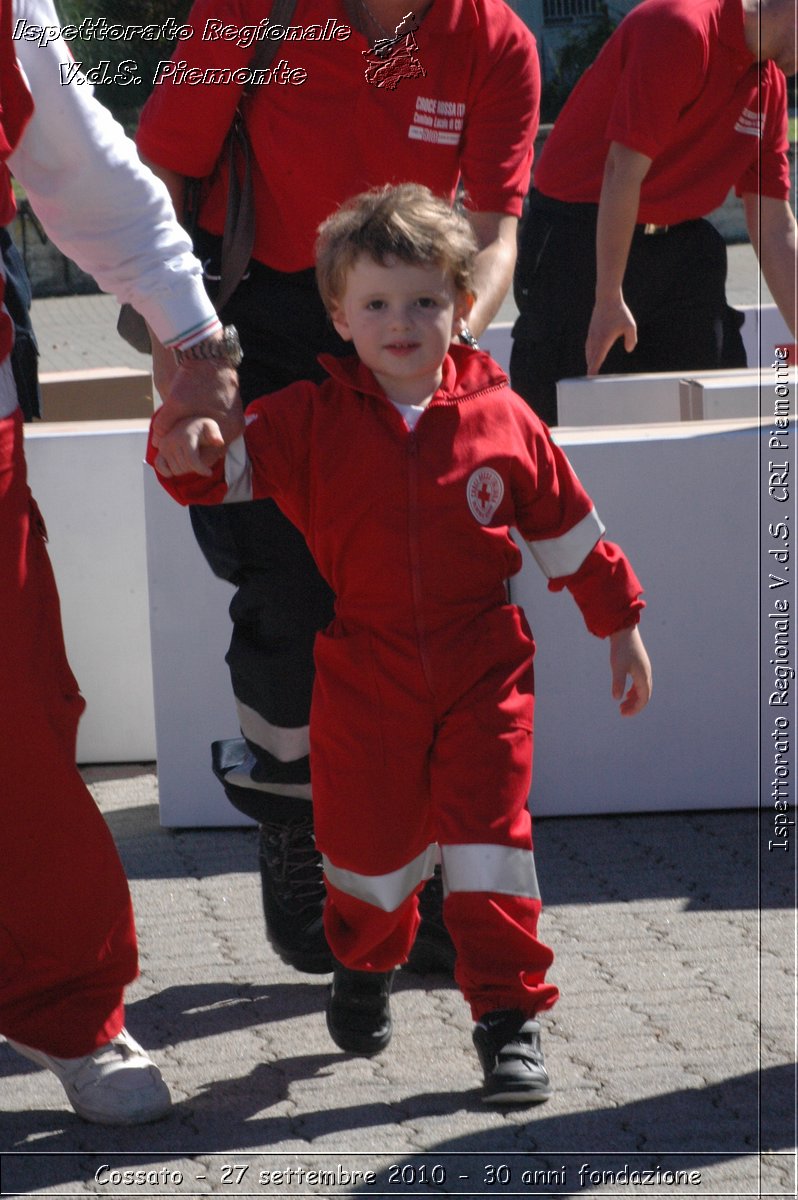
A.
pixel 293 894
pixel 359 1010
pixel 433 951
pixel 508 1045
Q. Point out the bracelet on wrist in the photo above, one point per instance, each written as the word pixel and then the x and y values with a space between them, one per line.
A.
pixel 467 338
pixel 224 350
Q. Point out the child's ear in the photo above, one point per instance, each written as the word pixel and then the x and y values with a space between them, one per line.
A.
pixel 340 322
pixel 462 307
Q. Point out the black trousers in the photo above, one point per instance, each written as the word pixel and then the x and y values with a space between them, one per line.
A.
pixel 675 286
pixel 281 601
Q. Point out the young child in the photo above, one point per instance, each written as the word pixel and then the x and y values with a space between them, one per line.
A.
pixel 405 471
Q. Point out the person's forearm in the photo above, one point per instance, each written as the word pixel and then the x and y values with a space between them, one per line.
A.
pixel 779 267
pixel 164 366
pixel 772 230
pixel 618 209
pixel 617 216
pixel 493 269
pixel 204 388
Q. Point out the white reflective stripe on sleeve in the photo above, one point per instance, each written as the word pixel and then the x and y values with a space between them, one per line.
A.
pixel 241 776
pixel 489 868
pixel 237 472
pixel 564 555
pixel 287 744
pixel 386 892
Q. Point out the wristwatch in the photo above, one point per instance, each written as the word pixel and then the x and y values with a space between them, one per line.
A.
pixel 224 349
pixel 467 338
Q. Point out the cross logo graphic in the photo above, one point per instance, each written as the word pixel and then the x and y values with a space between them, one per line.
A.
pixel 392 59
pixel 485 491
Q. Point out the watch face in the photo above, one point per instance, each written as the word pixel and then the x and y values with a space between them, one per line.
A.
pixel 232 345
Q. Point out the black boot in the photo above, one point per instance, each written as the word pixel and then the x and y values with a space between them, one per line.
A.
pixel 292 882
pixel 291 874
pixel 359 1010
pixel 508 1045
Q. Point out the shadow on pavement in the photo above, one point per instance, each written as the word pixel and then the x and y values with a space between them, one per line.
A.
pixel 684 1130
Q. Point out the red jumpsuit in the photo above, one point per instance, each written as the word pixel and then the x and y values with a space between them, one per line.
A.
pixel 421 725
pixel 67 939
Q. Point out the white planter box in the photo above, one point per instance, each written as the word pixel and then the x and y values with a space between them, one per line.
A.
pixel 86 478
pixel 682 500
pixel 665 397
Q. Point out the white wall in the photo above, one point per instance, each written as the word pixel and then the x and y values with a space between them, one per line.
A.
pixel 87 480
pixel 190 632
pixel 666 494
pixel 682 501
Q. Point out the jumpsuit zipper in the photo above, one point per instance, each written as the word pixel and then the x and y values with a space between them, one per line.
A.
pixel 413 535
pixel 414 551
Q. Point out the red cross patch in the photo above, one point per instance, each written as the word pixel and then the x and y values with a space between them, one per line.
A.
pixel 485 491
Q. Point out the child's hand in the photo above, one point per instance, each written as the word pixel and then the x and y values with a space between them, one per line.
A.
pixel 628 658
pixel 190 446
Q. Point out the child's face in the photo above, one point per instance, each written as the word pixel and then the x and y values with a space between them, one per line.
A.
pixel 401 319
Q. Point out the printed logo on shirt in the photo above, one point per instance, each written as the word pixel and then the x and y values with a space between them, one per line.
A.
pixel 751 122
pixel 438 121
pixel 392 59
pixel 485 491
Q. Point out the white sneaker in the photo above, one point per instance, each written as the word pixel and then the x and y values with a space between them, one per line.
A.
pixel 116 1085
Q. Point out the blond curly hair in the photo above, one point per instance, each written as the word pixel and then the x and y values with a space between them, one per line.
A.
pixel 405 222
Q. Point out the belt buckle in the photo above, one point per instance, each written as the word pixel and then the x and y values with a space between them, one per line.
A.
pixel 655 229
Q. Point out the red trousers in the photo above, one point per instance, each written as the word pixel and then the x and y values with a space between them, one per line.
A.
pixel 414 752
pixel 67 938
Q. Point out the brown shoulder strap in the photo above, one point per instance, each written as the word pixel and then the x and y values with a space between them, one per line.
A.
pixel 265 50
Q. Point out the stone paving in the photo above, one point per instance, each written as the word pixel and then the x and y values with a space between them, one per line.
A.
pixel 671 1049
pixel 78 332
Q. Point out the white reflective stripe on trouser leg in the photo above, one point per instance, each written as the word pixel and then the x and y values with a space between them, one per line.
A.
pixel 241 776
pixel 386 892
pixel 285 743
pixel 489 868
pixel 282 742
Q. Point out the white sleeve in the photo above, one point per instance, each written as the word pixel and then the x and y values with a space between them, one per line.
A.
pixel 237 472
pixel 95 198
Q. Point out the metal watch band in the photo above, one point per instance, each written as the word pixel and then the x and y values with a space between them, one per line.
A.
pixel 226 349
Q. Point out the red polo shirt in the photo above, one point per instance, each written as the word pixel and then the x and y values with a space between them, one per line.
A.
pixel 677 83
pixel 473 114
